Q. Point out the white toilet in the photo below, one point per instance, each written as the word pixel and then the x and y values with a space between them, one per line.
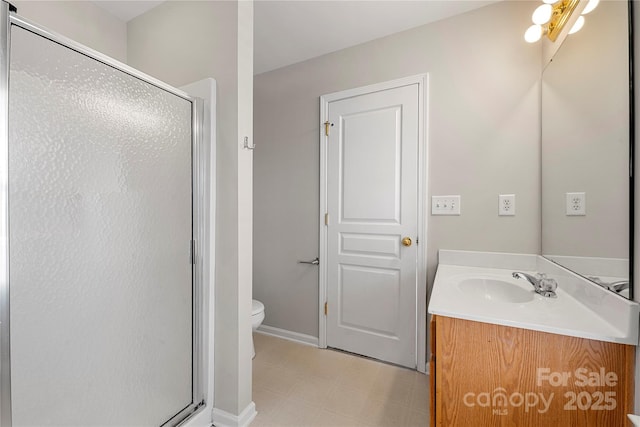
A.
pixel 257 316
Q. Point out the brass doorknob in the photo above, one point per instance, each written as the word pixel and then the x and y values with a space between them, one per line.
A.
pixel 406 241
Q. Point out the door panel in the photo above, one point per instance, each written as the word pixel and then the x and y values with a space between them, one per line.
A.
pixel 372 166
pixel 385 246
pixel 369 299
pixel 365 166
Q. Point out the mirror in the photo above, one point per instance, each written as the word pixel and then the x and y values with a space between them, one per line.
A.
pixel 586 140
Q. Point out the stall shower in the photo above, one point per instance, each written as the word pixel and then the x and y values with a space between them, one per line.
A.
pixel 100 291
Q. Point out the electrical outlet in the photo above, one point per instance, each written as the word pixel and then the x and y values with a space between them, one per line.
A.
pixel 576 204
pixel 445 205
pixel 506 204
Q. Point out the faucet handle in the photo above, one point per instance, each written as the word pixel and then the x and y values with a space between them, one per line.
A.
pixel 541 276
pixel 548 284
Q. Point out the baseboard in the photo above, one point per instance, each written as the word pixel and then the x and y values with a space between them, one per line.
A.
pixel 225 419
pixel 288 335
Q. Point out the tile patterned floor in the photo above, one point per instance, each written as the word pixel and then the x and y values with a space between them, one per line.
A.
pixel 298 385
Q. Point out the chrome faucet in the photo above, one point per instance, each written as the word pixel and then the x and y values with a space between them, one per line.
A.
pixel 543 285
pixel 617 286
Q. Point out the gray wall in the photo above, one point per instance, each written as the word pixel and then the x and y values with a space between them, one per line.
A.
pixel 482 136
pixel 81 21
pixel 186 41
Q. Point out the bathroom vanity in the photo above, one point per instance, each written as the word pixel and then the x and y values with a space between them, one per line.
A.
pixel 493 375
pixel 502 355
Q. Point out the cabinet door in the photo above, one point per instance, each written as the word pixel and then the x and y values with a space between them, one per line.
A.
pixel 491 375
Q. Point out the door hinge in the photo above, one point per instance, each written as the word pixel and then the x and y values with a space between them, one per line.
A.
pixel 327 125
pixel 192 251
pixel 326 219
pixel 325 308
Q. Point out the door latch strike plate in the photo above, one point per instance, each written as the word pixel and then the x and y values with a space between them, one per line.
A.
pixel 325 308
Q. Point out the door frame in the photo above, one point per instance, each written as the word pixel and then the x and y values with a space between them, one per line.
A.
pixel 421 285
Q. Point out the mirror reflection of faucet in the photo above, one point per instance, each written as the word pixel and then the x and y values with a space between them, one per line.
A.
pixel 543 285
pixel 616 286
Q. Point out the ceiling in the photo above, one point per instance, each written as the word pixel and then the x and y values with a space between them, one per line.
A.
pixel 126 10
pixel 290 31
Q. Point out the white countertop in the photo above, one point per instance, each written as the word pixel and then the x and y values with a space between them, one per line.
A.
pixel 590 312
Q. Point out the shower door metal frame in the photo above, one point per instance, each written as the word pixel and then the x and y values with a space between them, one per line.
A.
pixel 200 214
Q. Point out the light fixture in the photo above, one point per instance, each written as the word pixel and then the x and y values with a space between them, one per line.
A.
pixel 578 25
pixel 542 14
pixel 533 33
pixel 551 17
pixel 590 6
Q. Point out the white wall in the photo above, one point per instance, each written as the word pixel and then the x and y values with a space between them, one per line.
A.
pixel 483 140
pixel 81 21
pixel 182 42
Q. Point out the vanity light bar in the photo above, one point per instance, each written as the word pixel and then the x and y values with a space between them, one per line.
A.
pixel 551 17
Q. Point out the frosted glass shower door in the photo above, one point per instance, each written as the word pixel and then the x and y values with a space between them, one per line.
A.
pixel 100 213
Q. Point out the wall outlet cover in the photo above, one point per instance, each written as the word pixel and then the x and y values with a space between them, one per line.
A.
pixel 507 204
pixel 576 204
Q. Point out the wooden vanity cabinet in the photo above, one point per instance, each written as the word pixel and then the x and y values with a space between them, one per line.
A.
pixel 491 375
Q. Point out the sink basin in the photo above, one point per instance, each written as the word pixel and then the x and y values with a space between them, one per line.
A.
pixel 492 295
pixel 495 290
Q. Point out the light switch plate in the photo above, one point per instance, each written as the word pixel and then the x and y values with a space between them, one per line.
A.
pixel 445 205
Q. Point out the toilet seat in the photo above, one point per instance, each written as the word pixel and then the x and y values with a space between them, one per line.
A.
pixel 257 308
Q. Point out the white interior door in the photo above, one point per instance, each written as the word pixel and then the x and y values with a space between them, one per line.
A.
pixel 372 204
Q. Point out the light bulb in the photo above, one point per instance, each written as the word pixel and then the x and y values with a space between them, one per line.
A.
pixel 542 14
pixel 577 26
pixel 590 6
pixel 533 33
